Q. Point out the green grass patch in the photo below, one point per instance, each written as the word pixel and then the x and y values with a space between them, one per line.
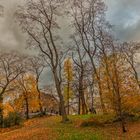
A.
pixel 81 136
pixel 93 120
pixel 70 131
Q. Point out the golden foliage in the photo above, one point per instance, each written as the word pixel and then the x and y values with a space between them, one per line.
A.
pixel 7 108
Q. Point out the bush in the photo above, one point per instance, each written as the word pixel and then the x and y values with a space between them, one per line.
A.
pixel 12 119
pixel 91 122
pixel 97 120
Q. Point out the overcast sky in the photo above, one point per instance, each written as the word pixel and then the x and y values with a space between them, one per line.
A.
pixel 124 14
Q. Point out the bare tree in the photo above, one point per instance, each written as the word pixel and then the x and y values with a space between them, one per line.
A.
pixel 90 27
pixel 88 16
pixel 23 87
pixel 111 50
pixel 10 69
pixel 39 20
pixel 36 66
pixel 90 78
pixel 80 72
pixel 130 51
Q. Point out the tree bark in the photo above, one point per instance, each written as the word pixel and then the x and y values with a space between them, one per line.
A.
pixel 68 97
pixel 1 111
pixel 79 105
pixel 99 84
pixel 27 108
pixel 40 104
pixel 118 96
pixel 81 94
pixel 61 103
pixel 84 106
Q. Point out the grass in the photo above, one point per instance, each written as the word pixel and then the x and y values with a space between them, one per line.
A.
pixel 69 131
pixel 50 128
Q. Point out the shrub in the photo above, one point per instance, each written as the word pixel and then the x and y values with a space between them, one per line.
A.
pixel 12 119
pixel 97 120
pixel 91 122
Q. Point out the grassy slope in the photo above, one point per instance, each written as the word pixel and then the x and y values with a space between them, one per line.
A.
pixel 51 129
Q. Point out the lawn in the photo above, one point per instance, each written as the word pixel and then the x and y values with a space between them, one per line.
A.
pixel 50 128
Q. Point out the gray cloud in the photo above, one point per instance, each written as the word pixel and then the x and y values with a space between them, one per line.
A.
pixel 125 15
pixel 10 35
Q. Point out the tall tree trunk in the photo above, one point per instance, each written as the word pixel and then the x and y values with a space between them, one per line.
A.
pixel 39 99
pixel 68 97
pixel 92 109
pixel 99 84
pixel 1 111
pixel 118 96
pixel 120 114
pixel 92 101
pixel 116 91
pixel 61 103
pixel 81 93
pixel 40 104
pixel 41 108
pixel 27 108
pixel 84 106
pixel 79 104
pixel 101 99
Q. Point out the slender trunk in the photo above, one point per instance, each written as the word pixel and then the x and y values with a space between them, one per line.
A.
pixel 1 111
pixel 40 104
pixel 81 93
pixel 119 103
pixel 84 106
pixel 59 109
pixel 27 108
pixel 120 114
pixel 1 104
pixel 39 99
pixel 101 98
pixel 92 109
pixel 116 85
pixel 99 84
pixel 92 102
pixel 79 104
pixel 68 97
pixel 61 103
pixel 136 76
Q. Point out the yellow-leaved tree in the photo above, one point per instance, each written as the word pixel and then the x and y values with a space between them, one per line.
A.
pixel 27 101
pixel 68 73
